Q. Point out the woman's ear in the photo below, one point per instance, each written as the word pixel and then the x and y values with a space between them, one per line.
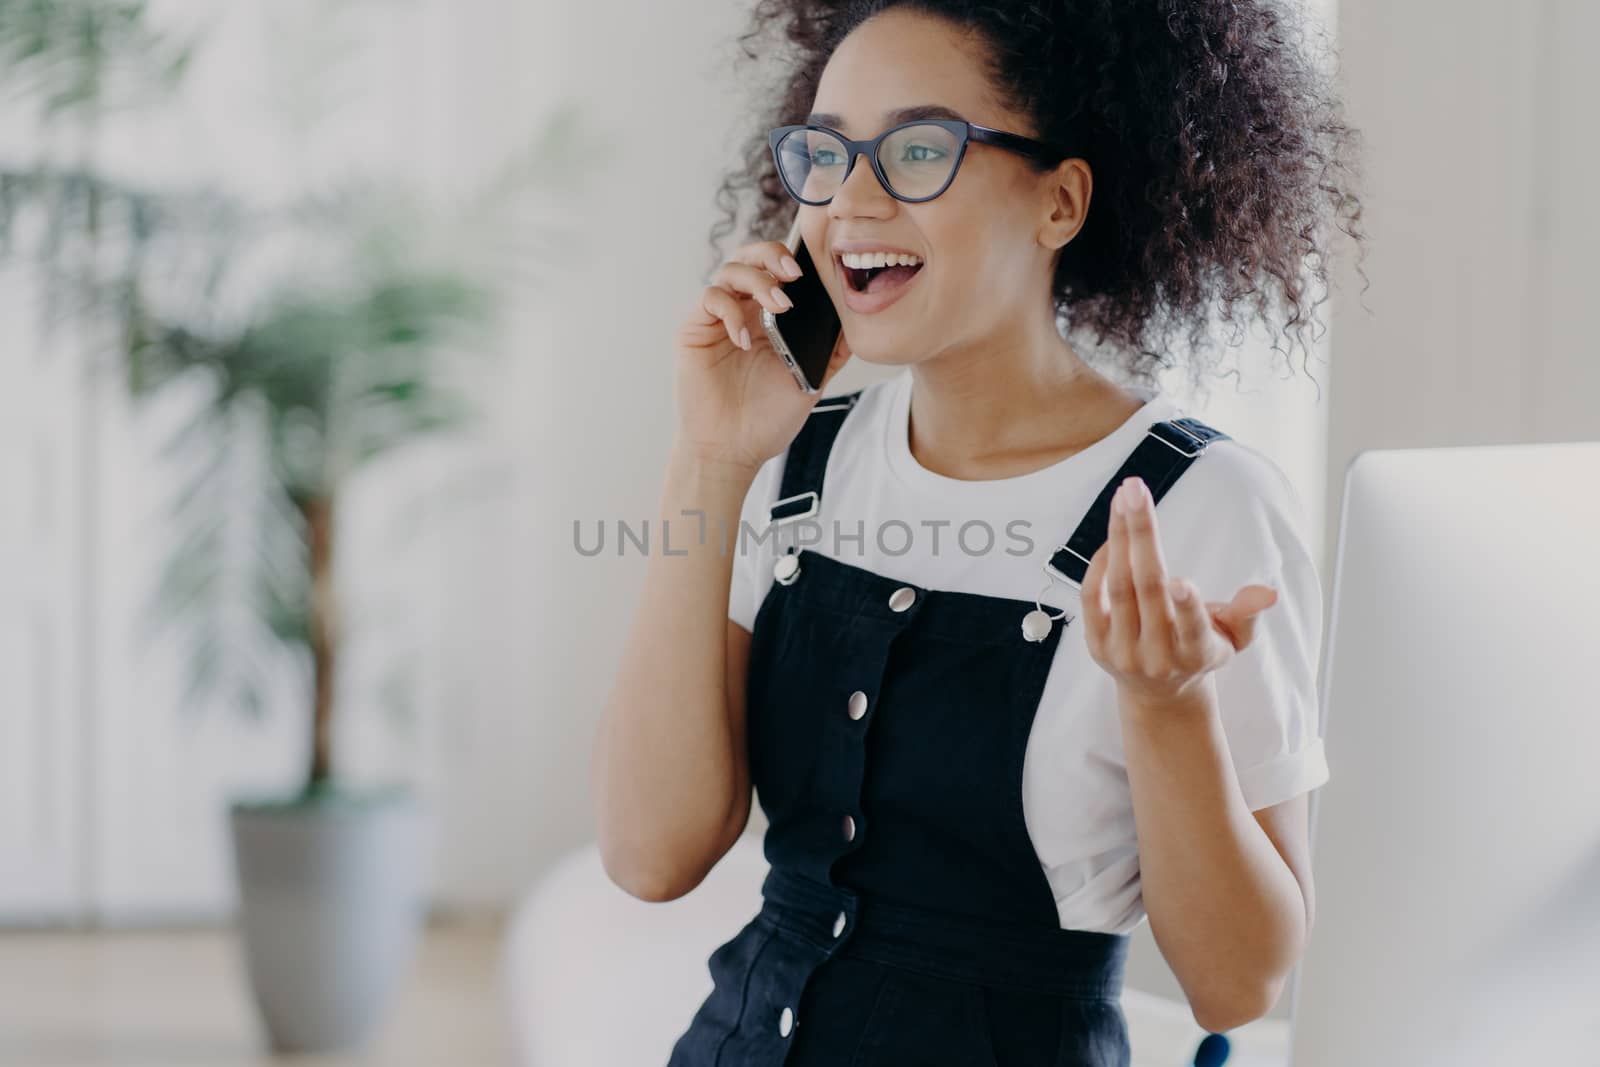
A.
pixel 1066 189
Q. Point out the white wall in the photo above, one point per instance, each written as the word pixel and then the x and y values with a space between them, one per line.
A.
pixel 1482 151
pixel 42 615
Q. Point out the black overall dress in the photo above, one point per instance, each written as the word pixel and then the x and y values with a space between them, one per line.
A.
pixel 906 919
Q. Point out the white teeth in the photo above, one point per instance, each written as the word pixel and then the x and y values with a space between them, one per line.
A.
pixel 864 260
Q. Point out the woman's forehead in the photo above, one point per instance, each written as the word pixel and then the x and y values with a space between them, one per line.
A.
pixel 900 66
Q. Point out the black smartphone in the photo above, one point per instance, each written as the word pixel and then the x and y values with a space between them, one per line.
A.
pixel 804 336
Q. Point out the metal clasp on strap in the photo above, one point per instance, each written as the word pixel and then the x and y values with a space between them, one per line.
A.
pixel 773 520
pixel 844 403
pixel 1200 443
pixel 1050 568
pixel 1036 624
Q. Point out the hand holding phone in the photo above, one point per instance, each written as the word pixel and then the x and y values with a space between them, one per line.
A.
pixel 805 336
pixel 736 394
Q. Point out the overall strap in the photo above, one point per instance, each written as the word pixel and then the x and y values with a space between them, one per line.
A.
pixel 800 492
pixel 1166 451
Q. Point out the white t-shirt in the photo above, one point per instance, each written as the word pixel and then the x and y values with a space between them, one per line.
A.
pixel 1231 520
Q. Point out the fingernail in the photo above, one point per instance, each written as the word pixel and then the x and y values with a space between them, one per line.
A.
pixel 790 267
pixel 744 337
pixel 781 297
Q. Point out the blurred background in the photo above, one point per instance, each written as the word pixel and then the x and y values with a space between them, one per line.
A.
pixel 322 323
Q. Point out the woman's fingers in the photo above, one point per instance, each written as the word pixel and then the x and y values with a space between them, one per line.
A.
pixel 1193 622
pixel 1122 603
pixel 757 282
pixel 1147 568
pixel 1090 593
pixel 773 257
pixel 753 273
pixel 722 307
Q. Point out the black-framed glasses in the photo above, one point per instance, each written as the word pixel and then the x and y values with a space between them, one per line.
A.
pixel 914 161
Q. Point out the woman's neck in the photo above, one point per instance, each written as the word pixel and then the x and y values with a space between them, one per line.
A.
pixel 980 418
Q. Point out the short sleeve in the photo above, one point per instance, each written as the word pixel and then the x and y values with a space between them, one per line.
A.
pixel 1253 533
pixel 744 591
pixel 1268 693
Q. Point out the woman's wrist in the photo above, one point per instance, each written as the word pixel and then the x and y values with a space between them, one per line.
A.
pixel 711 463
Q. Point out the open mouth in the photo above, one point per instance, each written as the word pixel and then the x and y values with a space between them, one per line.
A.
pixel 876 279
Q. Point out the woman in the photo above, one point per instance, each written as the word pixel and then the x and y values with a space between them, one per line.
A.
pixel 990 719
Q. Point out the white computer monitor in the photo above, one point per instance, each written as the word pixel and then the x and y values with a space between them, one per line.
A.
pixel 1456 845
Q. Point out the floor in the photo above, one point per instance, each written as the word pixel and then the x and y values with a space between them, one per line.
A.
pixel 178 999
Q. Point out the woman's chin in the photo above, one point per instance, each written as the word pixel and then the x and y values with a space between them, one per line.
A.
pixel 884 348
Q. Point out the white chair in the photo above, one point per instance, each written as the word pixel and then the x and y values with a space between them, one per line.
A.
pixel 595 977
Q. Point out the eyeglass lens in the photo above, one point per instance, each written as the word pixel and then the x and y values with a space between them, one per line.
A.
pixel 917 159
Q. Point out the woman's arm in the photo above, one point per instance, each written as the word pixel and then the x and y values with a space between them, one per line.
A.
pixel 1229 895
pixel 671 780
pixel 1229 904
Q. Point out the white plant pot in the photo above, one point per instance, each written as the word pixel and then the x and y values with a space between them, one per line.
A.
pixel 330 912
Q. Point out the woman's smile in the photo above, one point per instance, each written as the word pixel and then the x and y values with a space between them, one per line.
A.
pixel 871 289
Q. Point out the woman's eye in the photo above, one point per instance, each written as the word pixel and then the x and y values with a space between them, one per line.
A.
pixel 824 158
pixel 930 153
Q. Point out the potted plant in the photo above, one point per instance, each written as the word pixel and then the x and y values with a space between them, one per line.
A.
pixel 320 363
pixel 329 877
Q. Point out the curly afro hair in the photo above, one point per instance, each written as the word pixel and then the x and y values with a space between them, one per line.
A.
pixel 1219 151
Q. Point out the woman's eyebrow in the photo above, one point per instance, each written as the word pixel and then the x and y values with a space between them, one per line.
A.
pixel 890 118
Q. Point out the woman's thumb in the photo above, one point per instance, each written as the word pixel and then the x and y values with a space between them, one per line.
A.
pixel 836 361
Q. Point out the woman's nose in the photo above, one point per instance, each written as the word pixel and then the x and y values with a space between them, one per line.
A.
pixel 855 198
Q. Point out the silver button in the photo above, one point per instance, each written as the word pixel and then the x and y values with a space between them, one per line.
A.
pixel 838 925
pixel 858 704
pixel 849 828
pixel 786 1022
pixel 1036 625
pixel 901 598
pixel 786 569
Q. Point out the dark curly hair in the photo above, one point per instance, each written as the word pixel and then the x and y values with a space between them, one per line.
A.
pixel 1217 142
